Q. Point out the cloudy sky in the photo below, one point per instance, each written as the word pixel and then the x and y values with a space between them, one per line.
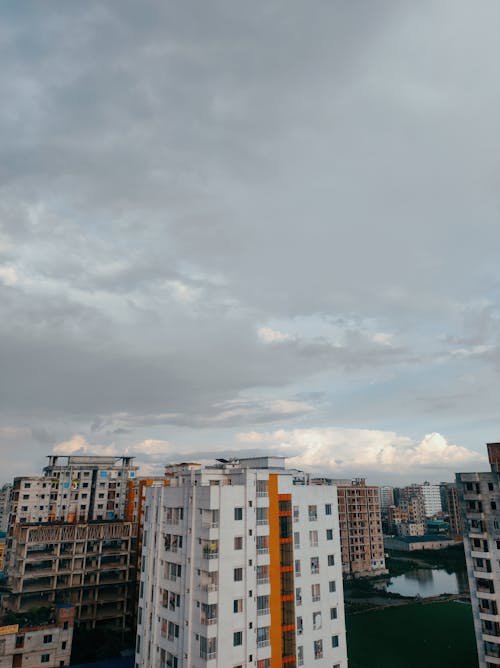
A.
pixel 251 227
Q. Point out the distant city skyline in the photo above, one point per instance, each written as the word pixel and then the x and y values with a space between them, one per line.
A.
pixel 230 229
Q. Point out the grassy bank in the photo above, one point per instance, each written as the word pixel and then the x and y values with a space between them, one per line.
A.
pixel 434 635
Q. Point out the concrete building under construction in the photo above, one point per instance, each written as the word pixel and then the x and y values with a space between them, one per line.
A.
pixel 69 541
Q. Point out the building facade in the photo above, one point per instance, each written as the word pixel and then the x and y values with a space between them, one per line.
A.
pixel 360 528
pixel 241 565
pixel 432 499
pixel 44 646
pixel 453 510
pixel 68 540
pixel 386 496
pixel 479 499
pixel 5 492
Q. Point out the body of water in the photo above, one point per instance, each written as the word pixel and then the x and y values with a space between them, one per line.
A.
pixel 426 582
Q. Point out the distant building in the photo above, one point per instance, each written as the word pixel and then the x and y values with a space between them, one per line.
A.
pixel 453 510
pixel 479 499
pixel 5 493
pixel 432 499
pixel 360 528
pixel 240 567
pixel 386 496
pixel 43 646
pixel 412 543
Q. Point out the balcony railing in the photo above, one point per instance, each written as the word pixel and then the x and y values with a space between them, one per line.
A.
pixel 263 611
pixel 208 621
pixel 263 580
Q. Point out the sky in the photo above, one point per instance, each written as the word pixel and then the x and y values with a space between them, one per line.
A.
pixel 232 228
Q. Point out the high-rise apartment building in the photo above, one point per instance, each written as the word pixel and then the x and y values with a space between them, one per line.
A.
pixel 432 499
pixel 68 540
pixel 479 498
pixel 453 510
pixel 360 528
pixel 386 496
pixel 5 492
pixel 241 566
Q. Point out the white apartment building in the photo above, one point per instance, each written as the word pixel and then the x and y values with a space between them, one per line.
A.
pixel 386 496
pixel 479 499
pixel 241 566
pixel 73 489
pixel 432 499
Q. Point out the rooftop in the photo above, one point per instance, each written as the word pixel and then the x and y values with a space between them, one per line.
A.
pixel 428 538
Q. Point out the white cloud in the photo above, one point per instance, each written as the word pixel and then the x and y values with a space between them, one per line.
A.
pixel 364 452
pixel 153 447
pixel 8 275
pixel 183 292
pixel 269 335
pixel 78 444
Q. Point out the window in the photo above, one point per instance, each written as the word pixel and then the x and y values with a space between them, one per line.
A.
pixel 238 542
pixel 238 574
pixel 45 658
pixel 19 641
pixel 318 649
pixel 263 605
pixel 328 508
pixel 63 644
pixel 314 565
pixel 315 592
pixel 331 560
pixel 297 568
pixel 47 639
pixel 295 513
pixel 237 638
pixel 66 624
pixel 298 596
pixel 238 513
pixel 335 641
pixel 329 534
pixel 332 587
pixel 300 626
pixel 313 513
pixel 263 636
pixel 261 516
pixel 313 538
pixel 238 605
pixel 493 505
pixel 300 655
pixel 316 621
pixel 333 613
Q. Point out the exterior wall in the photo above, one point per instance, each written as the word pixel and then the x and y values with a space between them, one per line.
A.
pixel 453 506
pixel 406 546
pixel 5 493
pixel 386 496
pixel 73 489
pixel 44 646
pixel 432 499
pixel 236 569
pixel 88 565
pixel 360 528
pixel 479 498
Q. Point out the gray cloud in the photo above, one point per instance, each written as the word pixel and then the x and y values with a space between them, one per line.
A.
pixel 175 177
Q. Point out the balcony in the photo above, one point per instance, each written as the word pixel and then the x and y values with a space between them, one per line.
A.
pixel 208 656
pixel 263 643
pixel 262 550
pixel 263 580
pixel 263 611
pixel 208 621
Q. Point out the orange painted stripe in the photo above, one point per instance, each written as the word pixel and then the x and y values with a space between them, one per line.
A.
pixel 288 659
pixel 274 572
